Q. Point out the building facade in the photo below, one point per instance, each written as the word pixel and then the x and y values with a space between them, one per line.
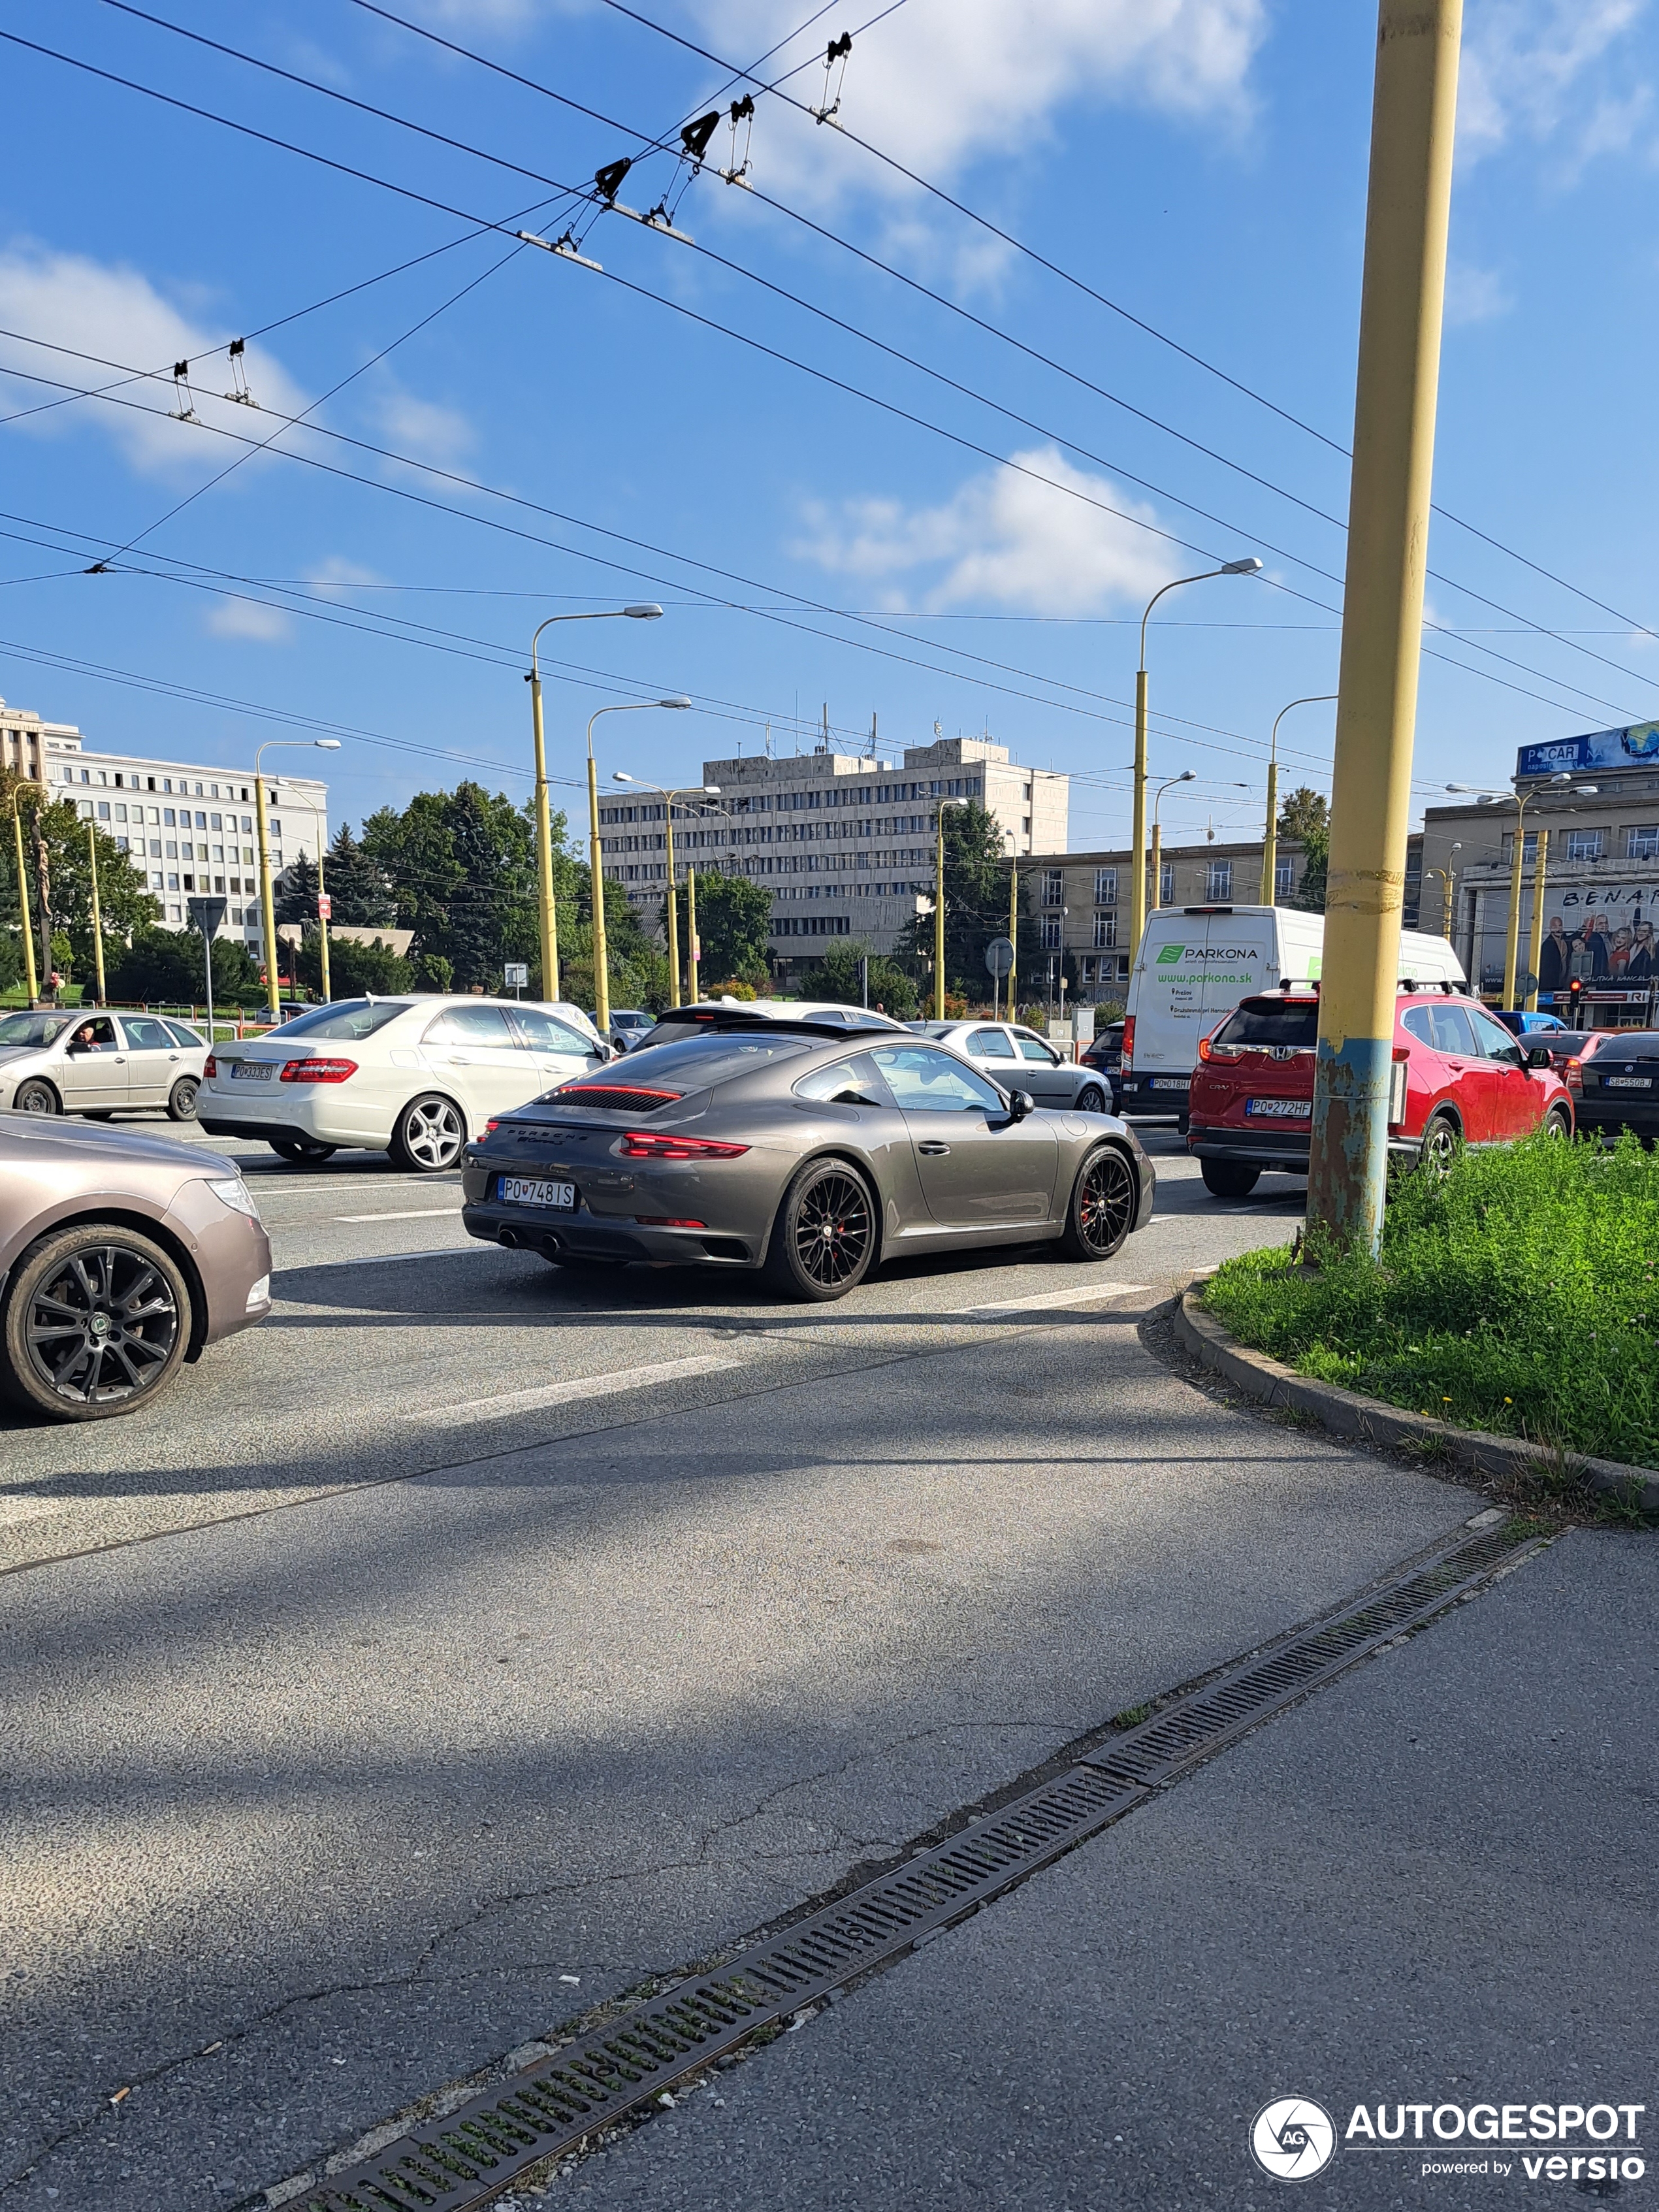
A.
pixel 187 830
pixel 1601 866
pixel 1081 901
pixel 845 844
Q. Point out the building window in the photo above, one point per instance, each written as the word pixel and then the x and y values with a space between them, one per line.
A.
pixel 1166 883
pixel 1105 886
pixel 1283 879
pixel 1586 844
pixel 1218 880
pixel 1642 844
pixel 1105 931
pixel 1053 886
pixel 1528 847
pixel 1051 934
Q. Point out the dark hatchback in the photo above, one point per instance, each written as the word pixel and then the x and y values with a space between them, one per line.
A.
pixel 1615 1082
pixel 1105 1055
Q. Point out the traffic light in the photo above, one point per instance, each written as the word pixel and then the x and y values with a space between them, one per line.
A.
pixel 1575 1001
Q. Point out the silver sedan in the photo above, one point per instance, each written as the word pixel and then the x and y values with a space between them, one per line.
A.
pixel 1019 1060
pixel 96 1064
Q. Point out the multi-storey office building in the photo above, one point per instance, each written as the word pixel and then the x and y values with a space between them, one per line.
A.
pixel 185 828
pixel 845 845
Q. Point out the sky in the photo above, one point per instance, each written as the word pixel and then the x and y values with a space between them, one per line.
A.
pixel 1059 303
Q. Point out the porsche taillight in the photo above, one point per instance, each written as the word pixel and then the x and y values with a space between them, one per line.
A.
pixel 650 1144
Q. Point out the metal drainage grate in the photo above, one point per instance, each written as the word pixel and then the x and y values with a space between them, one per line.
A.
pixel 463 2160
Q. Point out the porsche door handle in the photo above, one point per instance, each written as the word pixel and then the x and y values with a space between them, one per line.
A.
pixel 933 1151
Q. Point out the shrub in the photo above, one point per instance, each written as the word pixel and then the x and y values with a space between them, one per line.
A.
pixel 1516 1293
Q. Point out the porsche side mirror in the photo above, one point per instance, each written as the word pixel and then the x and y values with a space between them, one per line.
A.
pixel 1020 1104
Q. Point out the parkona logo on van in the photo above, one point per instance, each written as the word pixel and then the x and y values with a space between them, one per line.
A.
pixel 1172 954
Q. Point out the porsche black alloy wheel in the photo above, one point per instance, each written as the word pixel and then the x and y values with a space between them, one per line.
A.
pixel 824 1236
pixel 98 1320
pixel 1102 1209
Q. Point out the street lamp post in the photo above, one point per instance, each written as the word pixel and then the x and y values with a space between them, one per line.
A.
pixel 670 913
pixel 1013 931
pixel 938 912
pixel 549 916
pixel 1270 839
pixel 1512 933
pixel 596 863
pixel 267 899
pixel 29 975
pixel 1187 775
pixel 97 918
pixel 1248 567
pixel 1447 876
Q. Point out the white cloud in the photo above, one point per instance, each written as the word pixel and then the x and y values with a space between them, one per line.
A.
pixel 420 427
pixel 1544 70
pixel 115 312
pixel 1003 540
pixel 1475 295
pixel 244 618
pixel 339 576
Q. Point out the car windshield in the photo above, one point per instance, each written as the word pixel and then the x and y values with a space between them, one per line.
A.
pixel 1262 1023
pixel 32 1028
pixel 695 1062
pixel 1640 1044
pixel 348 1019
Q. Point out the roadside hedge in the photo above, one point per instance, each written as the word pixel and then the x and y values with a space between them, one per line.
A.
pixel 1516 1293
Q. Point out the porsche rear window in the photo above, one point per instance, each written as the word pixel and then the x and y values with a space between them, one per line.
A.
pixel 1264 1022
pixel 696 1062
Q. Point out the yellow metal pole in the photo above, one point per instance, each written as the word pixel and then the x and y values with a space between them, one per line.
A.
pixel 1270 837
pixel 97 917
pixel 1401 299
pixel 596 864
pixel 1138 831
pixel 267 904
pixel 29 976
pixel 673 916
pixel 692 950
pixel 548 911
pixel 1512 935
pixel 1447 931
pixel 1535 943
pixel 322 918
pixel 939 924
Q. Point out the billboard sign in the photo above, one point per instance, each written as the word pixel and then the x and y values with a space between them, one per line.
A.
pixel 1637 747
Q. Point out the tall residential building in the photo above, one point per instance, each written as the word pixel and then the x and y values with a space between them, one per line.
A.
pixel 185 828
pixel 844 843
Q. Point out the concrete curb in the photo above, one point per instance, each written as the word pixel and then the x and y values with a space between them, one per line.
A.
pixel 1345 1413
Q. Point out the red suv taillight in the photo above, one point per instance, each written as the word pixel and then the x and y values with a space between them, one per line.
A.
pixel 643 1145
pixel 1129 1052
pixel 1209 1049
pixel 210 1069
pixel 1575 1075
pixel 318 1071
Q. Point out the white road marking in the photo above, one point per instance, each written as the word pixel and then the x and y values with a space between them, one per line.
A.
pixel 1076 1296
pixel 416 1213
pixel 386 1259
pixel 584 1386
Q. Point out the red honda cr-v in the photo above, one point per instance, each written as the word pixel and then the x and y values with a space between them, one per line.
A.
pixel 1458 1077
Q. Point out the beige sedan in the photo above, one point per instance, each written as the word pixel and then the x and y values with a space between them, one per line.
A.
pixel 96 1064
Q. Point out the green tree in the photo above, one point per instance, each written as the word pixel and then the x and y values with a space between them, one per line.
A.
pixel 164 967
pixel 1303 812
pixel 734 917
pixel 1305 817
pixel 355 969
pixel 975 901
pixel 836 977
pixel 357 889
pixel 123 901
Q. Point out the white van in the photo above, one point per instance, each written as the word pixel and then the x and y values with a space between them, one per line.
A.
pixel 1194 965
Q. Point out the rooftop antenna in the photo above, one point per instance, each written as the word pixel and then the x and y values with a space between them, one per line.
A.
pixel 938 729
pixel 824 746
pixel 769 741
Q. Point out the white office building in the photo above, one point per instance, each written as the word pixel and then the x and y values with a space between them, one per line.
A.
pixel 187 830
pixel 845 844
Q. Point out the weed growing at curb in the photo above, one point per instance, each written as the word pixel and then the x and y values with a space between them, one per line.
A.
pixel 1518 1293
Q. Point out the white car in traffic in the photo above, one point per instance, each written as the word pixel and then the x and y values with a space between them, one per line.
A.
pixel 1019 1060
pixel 53 1061
pixel 414 1077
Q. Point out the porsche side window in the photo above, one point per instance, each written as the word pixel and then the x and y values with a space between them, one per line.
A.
pixel 924 1081
pixel 845 1082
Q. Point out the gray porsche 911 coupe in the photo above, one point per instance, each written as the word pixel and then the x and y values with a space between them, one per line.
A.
pixel 811 1149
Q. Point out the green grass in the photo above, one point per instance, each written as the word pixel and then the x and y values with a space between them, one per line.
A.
pixel 1518 1293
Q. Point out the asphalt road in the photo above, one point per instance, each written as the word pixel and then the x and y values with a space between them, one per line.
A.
pixel 464 1644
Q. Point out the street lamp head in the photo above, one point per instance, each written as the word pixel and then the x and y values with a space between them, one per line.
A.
pixel 1587 790
pixel 1488 799
pixel 678 701
pixel 620 775
pixel 326 745
pixel 647 611
pixel 1565 776
pixel 709 790
pixel 1460 787
pixel 1187 775
pixel 1248 567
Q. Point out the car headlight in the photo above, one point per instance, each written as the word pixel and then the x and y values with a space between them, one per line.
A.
pixel 235 1193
